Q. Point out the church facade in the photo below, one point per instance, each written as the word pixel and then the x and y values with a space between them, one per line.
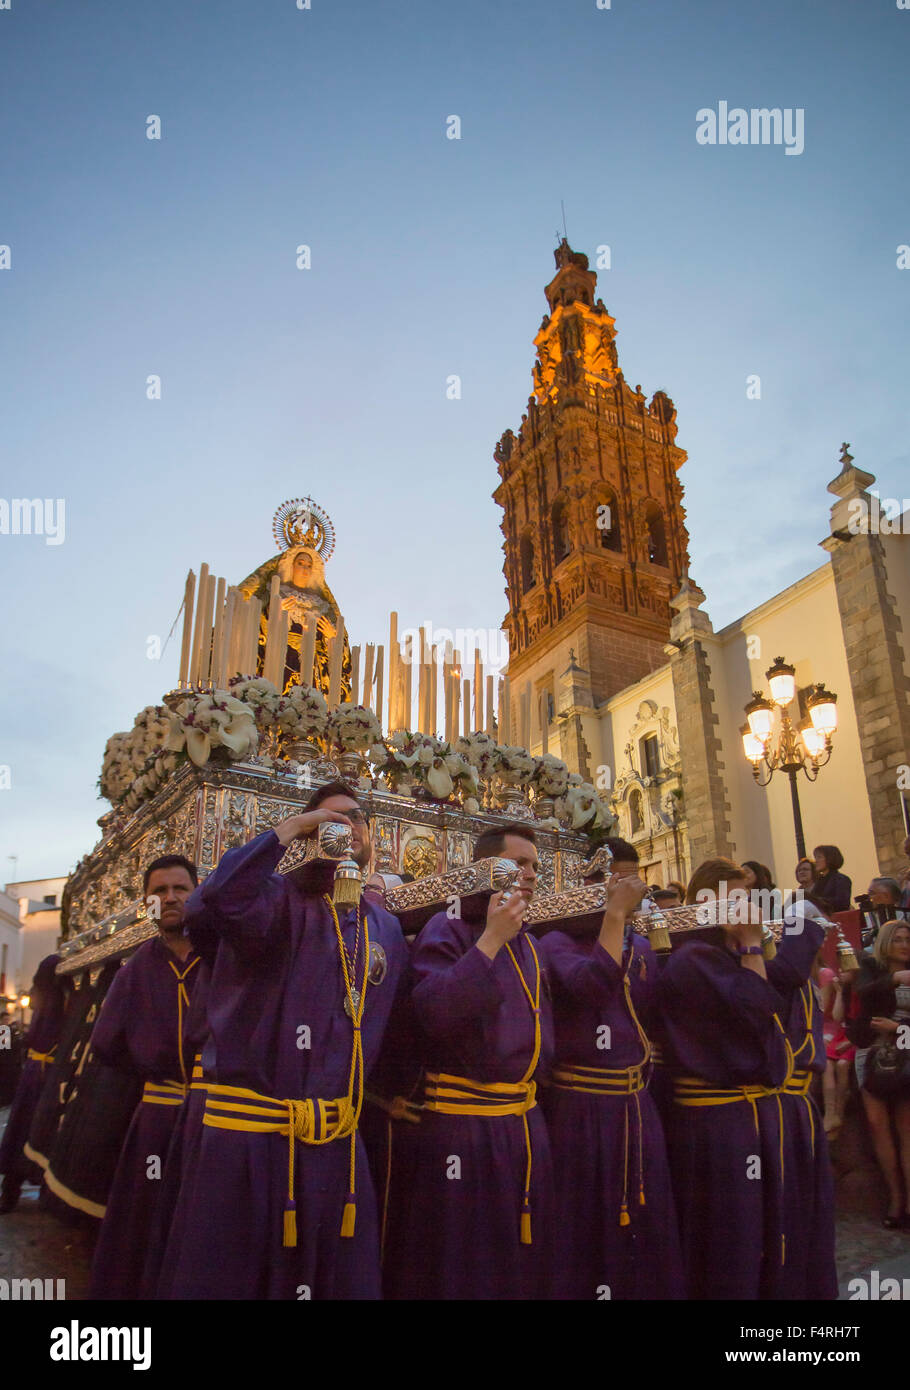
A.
pixel 611 634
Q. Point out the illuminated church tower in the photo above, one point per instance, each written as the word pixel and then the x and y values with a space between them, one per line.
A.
pixel 595 538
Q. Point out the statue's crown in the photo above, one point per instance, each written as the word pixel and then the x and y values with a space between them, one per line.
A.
pixel 300 521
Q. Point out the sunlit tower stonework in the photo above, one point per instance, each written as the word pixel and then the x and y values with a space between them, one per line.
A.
pixel 594 526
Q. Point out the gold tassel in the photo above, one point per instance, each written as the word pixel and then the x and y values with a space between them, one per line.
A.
pixel 290 1228
pixel 641 1198
pixel 347 1220
pixel 624 1217
pixel 526 1228
pixel 348 884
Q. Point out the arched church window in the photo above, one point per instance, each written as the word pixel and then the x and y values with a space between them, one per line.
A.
pixel 636 813
pixel 526 560
pixel 608 523
pixel 657 538
pixel 560 524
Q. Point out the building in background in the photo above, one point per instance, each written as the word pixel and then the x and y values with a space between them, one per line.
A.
pixel 39 901
pixel 637 691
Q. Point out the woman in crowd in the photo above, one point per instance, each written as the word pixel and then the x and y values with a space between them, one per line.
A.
pixel 839 1051
pixel 833 890
pixel 757 876
pixel 805 876
pixel 882 992
pixel 728 1054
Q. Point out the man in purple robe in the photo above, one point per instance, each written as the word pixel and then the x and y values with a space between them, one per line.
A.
pixel 728 1055
pixel 276 1199
pixel 808 1269
pixel 49 994
pixel 614 1228
pixel 142 1029
pixel 473 1220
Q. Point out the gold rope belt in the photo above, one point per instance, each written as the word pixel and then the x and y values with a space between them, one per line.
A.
pixel 798 1085
pixel 608 1081
pixel 45 1058
pixel 164 1093
pixel 459 1095
pixel 308 1121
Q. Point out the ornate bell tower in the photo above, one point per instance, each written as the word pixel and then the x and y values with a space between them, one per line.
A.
pixel 595 538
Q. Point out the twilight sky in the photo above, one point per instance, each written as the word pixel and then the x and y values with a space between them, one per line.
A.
pixel 327 126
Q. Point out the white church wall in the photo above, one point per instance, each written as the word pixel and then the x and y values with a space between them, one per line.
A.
pixel 802 624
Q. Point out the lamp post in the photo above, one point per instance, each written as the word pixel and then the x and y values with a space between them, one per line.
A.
pixel 805 749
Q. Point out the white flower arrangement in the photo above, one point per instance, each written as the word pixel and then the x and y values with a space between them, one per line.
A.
pixel 202 723
pixel 353 728
pixel 303 712
pixel 583 808
pixel 126 755
pixel 263 698
pixel 480 751
pixel 550 776
pixel 508 760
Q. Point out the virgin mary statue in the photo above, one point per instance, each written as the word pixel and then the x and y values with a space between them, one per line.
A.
pixel 307 538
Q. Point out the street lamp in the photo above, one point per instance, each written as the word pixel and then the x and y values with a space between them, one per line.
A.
pixel 805 749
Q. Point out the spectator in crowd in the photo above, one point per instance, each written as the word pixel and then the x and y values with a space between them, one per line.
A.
pixel 882 992
pixel 839 1050
pixel 833 890
pixel 669 896
pixel 905 878
pixel 758 876
pixel 878 905
pixel 805 876
pixel 678 888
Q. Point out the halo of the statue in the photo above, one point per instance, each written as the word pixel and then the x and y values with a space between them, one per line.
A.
pixel 301 521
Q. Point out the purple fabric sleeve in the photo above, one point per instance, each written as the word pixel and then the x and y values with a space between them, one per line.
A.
pixel 242 899
pixel 792 966
pixel 110 1034
pixel 453 985
pixel 748 997
pixel 592 979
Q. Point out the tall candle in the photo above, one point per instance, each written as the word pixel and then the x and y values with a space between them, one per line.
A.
pixel 408 666
pixel 335 666
pixel 355 675
pixel 308 652
pixel 505 712
pixel 422 712
pixel 489 703
pixel 255 624
pixel 456 706
pixel 189 594
pixel 478 689
pixel 205 664
pixel 244 636
pixel 196 657
pixel 467 708
pixel 544 723
pixel 394 663
pixel 377 708
pixel 218 633
pixel 269 670
pixel 369 653
pixel 434 685
pixel 281 653
pixel 229 637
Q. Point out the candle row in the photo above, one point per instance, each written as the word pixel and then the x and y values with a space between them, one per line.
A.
pixel 223 641
pixel 220 633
